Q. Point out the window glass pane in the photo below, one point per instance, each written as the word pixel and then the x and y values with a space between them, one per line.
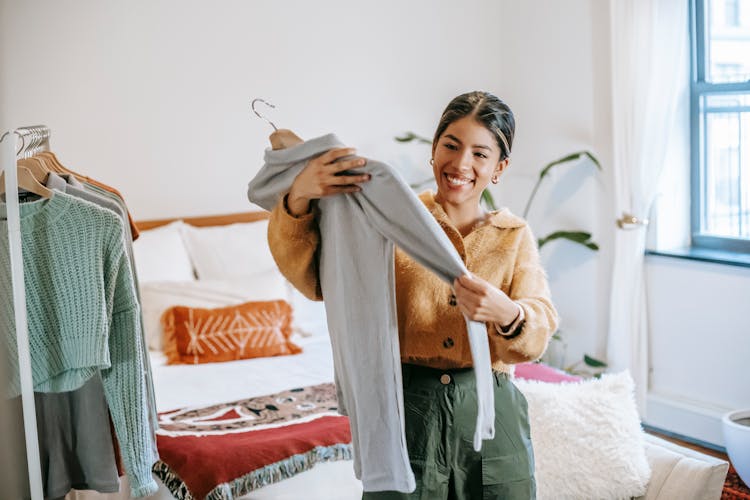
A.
pixel 728 39
pixel 725 201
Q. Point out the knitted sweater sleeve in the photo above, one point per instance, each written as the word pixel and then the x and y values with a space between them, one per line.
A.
pixel 294 243
pixel 530 290
pixel 124 385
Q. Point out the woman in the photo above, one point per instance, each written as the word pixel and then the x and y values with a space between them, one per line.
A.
pixel 507 289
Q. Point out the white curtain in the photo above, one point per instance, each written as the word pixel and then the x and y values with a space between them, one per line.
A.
pixel 650 54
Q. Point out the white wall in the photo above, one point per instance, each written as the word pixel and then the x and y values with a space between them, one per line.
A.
pixel 700 344
pixel 152 97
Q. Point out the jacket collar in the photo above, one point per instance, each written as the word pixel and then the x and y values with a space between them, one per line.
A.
pixel 502 219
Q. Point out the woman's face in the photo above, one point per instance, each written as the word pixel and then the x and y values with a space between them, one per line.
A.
pixel 465 159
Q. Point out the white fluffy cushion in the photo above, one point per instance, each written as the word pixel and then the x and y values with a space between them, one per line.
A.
pixel 587 438
pixel 229 252
pixel 161 255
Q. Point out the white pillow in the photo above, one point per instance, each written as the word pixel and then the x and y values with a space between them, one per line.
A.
pixel 161 255
pixel 231 251
pixel 587 438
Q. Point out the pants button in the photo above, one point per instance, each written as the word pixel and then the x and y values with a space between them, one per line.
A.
pixel 445 379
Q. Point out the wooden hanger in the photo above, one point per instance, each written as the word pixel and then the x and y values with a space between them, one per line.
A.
pixel 280 138
pixel 37 167
pixel 28 182
pixel 283 138
pixel 53 163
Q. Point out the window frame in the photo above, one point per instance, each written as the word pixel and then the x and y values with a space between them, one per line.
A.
pixel 698 88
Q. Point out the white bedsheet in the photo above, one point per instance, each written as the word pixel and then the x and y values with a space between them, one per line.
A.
pixel 178 386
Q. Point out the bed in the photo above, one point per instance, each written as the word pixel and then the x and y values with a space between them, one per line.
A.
pixel 216 261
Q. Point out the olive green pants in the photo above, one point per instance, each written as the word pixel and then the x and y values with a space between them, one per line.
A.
pixel 440 409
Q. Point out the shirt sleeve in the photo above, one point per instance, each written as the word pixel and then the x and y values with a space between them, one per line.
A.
pixel 397 213
pixel 294 243
pixel 527 339
pixel 124 384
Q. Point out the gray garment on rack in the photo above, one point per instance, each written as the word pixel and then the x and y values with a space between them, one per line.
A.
pixel 68 184
pixel 75 442
pixel 357 278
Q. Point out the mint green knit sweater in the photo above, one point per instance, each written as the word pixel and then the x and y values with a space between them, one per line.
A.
pixel 83 316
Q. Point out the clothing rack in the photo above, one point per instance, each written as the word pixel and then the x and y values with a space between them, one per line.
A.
pixel 34 140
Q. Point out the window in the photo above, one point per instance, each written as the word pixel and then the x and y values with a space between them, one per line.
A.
pixel 720 124
pixel 732 12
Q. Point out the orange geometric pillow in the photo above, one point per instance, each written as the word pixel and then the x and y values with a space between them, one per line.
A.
pixel 251 330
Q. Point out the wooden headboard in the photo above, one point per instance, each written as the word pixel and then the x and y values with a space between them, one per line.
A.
pixel 207 220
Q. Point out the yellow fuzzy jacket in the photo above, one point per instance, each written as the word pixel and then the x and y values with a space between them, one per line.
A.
pixel 432 331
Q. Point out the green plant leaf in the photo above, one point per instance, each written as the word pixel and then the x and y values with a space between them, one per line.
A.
pixel 593 362
pixel 411 136
pixel 488 200
pixel 546 169
pixel 579 237
pixel 568 158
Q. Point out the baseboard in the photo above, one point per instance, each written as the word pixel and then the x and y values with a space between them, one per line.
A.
pixel 690 420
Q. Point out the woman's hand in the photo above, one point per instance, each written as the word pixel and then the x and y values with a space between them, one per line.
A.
pixel 319 179
pixel 480 300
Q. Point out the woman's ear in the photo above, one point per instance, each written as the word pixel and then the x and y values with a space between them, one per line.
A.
pixel 502 165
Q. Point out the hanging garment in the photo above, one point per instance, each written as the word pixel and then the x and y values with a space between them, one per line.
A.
pixel 67 183
pixel 75 445
pixel 358 232
pixel 83 317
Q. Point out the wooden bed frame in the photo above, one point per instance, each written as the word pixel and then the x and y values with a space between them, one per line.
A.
pixel 207 220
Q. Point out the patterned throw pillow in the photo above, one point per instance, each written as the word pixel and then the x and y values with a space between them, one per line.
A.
pixel 250 330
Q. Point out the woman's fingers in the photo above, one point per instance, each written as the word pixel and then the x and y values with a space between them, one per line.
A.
pixel 349 188
pixel 472 283
pixel 344 180
pixel 349 164
pixel 334 154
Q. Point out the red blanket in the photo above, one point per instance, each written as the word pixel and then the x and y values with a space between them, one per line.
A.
pixel 226 450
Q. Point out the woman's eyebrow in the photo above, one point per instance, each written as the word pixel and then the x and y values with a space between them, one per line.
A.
pixel 482 146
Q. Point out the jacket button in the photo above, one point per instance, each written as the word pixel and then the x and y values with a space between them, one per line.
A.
pixel 445 379
pixel 452 300
pixel 448 343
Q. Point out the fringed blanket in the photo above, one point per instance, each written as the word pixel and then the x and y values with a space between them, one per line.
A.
pixel 226 450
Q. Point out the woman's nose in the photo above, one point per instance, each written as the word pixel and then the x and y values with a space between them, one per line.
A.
pixel 465 161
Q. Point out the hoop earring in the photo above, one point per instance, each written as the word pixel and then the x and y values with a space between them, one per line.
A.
pixel 494 179
pixel 432 161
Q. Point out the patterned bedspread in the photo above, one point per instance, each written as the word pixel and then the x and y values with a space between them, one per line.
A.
pixel 226 450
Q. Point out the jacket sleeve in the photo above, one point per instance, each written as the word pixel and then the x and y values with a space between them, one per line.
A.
pixel 294 243
pixel 530 290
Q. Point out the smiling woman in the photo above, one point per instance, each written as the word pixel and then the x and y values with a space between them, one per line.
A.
pixel 506 288
pixel 471 148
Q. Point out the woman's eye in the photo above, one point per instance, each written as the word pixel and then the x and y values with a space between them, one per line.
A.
pixel 452 147
pixel 481 155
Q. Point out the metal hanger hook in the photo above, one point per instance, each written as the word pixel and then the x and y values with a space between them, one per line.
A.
pixel 23 141
pixel 252 105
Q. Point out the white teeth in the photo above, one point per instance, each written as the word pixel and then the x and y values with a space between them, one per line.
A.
pixel 457 181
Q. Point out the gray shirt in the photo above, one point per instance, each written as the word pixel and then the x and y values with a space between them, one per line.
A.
pixel 357 278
